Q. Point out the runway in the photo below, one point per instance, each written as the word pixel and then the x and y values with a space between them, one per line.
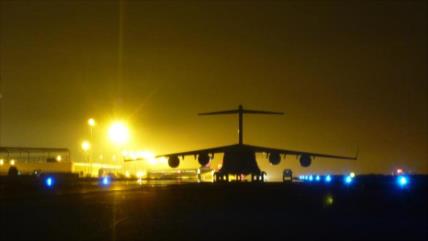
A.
pixel 173 211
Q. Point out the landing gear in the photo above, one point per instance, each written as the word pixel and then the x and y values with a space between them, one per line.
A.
pixel 240 177
pixel 258 177
pixel 221 177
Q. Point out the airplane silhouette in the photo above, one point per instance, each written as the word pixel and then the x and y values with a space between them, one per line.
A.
pixel 240 159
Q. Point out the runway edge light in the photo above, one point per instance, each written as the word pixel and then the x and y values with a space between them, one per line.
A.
pixel 402 181
pixel 105 181
pixel 348 180
pixel 49 182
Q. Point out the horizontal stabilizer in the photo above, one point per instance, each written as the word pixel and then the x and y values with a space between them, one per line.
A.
pixel 242 111
pixel 224 112
pixel 262 112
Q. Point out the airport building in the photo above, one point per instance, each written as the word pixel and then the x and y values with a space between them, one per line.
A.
pixel 141 165
pixel 31 161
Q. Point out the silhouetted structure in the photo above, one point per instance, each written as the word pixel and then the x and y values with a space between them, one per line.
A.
pixel 240 159
pixel 34 160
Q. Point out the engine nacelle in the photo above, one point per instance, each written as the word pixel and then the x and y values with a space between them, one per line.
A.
pixel 274 158
pixel 203 159
pixel 173 161
pixel 305 160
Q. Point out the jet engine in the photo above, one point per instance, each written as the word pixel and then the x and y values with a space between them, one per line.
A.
pixel 305 160
pixel 173 161
pixel 274 158
pixel 203 159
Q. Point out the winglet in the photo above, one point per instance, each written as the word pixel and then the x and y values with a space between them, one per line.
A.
pixel 357 153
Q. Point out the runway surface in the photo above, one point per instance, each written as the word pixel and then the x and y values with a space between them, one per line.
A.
pixel 171 211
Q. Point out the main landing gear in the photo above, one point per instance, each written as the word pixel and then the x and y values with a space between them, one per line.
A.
pixel 258 177
pixel 224 177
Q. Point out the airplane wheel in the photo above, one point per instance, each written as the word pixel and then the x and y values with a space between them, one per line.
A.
pixel 256 178
pixel 263 174
pixel 216 177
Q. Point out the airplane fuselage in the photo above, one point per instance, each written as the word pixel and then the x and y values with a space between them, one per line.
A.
pixel 240 160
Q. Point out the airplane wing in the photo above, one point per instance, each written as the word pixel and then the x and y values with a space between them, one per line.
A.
pixel 212 150
pixel 299 153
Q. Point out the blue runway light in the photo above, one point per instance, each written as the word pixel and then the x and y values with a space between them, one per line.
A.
pixel 311 178
pixel 317 178
pixel 348 180
pixel 402 181
pixel 105 181
pixel 327 178
pixel 301 177
pixel 49 182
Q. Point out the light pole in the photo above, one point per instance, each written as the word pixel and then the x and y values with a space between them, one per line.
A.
pixel 86 146
pixel 1 105
pixel 91 124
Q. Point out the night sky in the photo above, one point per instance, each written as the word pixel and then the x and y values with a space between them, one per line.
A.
pixel 346 74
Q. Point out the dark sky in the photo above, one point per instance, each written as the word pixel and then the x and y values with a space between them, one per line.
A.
pixel 346 73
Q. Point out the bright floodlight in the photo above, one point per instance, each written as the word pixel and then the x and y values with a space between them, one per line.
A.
pixel 1 162
pixel 141 174
pixel 317 178
pixel 328 178
pixel 91 122
pixel 118 133
pixel 311 178
pixel 86 145
pixel 402 181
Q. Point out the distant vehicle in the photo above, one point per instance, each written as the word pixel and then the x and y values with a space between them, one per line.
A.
pixel 287 175
pixel 34 161
pixel 240 159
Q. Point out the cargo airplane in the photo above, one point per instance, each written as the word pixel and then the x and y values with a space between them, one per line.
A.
pixel 240 159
